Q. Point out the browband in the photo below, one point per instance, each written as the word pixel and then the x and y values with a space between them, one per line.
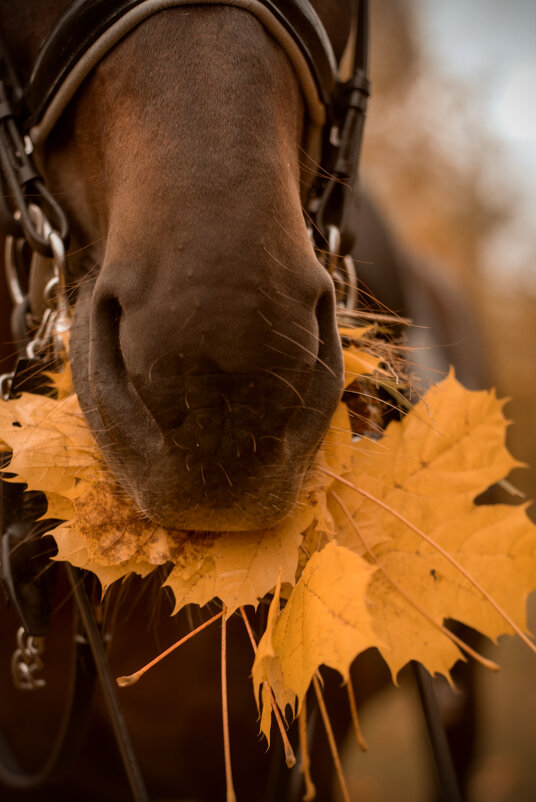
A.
pixel 88 29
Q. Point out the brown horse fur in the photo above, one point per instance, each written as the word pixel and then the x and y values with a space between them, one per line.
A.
pixel 204 351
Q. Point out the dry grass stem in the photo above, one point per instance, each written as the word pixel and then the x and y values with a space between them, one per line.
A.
pixel 230 795
pixel 355 718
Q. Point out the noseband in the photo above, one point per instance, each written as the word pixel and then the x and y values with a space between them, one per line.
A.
pixel 38 239
pixel 65 58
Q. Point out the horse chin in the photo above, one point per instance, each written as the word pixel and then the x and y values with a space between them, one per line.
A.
pixel 209 496
pixel 233 519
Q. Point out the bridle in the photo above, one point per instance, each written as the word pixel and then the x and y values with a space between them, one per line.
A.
pixel 37 242
pixel 38 228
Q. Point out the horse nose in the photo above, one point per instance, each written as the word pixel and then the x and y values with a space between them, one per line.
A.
pixel 223 384
pixel 197 354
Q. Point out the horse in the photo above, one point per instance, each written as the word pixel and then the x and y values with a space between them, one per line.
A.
pixel 204 346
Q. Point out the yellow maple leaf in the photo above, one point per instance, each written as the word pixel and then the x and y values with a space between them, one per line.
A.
pixel 240 567
pixel 53 451
pixel 324 622
pixel 356 559
pixel 422 475
pixel 51 444
pixel 428 469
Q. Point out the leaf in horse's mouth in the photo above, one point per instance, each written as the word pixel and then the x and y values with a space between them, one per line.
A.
pixel 103 531
pixel 385 544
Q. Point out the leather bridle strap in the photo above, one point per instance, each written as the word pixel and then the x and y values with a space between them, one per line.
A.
pixel 66 58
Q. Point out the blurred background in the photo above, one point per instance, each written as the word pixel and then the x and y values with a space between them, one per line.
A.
pixel 450 154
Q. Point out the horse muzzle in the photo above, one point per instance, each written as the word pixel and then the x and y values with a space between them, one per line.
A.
pixel 208 409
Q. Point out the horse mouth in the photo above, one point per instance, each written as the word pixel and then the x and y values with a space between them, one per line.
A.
pixel 212 437
pixel 220 478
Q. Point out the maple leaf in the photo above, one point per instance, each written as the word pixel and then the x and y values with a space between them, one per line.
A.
pixel 240 567
pixel 379 551
pixel 51 444
pixel 324 622
pixel 422 475
pixel 428 469
pixel 53 451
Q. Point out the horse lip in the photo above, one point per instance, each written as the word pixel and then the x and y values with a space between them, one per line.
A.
pixel 225 519
pixel 179 485
pixel 183 494
pixel 191 510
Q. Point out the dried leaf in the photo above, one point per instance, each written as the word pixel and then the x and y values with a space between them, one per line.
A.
pixel 72 549
pixel 239 567
pixel 429 468
pixel 354 569
pixel 54 452
pixel 325 622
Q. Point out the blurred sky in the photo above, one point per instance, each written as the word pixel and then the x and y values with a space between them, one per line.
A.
pixel 491 45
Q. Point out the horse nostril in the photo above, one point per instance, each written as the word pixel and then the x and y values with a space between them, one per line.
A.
pixel 108 316
pixel 329 342
pixel 112 389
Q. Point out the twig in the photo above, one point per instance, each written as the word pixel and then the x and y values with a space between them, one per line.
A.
pixel 355 719
pixel 305 768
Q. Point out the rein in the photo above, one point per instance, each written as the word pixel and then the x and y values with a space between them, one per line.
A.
pixel 36 247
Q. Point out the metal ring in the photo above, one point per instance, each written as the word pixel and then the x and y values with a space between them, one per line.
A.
pixel 334 248
pixel 50 293
pixel 6 380
pixel 58 251
pixel 33 348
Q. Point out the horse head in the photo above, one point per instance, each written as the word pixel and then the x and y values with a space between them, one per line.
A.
pixel 204 348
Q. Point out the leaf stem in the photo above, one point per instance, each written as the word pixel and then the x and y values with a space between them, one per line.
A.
pixel 305 768
pixel 441 551
pixel 230 795
pixel 355 719
pixel 290 757
pixel 331 739
pixel 126 682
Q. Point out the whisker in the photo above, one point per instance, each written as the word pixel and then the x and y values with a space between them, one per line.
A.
pixel 285 381
pixel 306 350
